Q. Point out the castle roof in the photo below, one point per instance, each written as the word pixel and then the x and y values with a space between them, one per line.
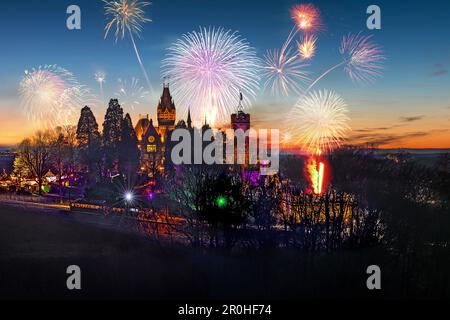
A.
pixel 166 101
pixel 151 131
pixel 142 127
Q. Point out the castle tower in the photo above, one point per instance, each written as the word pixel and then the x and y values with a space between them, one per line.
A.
pixel 166 113
pixel 240 119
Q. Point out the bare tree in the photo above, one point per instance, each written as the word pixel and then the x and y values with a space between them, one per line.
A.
pixel 34 154
pixel 62 146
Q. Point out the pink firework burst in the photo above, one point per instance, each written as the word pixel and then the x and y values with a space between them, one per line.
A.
pixel 208 69
pixel 363 58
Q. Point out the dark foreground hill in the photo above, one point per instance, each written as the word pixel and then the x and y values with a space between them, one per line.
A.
pixel 36 247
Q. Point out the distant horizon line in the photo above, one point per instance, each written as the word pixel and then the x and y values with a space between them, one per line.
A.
pixel 2 146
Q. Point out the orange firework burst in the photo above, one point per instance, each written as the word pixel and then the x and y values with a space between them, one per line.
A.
pixel 306 17
pixel 307 48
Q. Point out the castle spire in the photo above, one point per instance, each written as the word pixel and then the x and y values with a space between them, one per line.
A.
pixel 240 107
pixel 189 120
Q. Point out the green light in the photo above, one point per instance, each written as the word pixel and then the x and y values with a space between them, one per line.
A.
pixel 221 202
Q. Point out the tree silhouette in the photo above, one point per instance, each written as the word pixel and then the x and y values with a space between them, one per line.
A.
pixel 128 151
pixel 87 129
pixel 112 135
pixel 89 144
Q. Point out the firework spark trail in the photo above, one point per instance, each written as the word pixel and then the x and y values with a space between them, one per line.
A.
pixel 208 69
pixel 284 71
pixel 323 75
pixel 147 79
pixel 289 39
pixel 51 96
pixel 362 59
pixel 128 16
pixel 307 20
pixel 319 121
pixel 131 94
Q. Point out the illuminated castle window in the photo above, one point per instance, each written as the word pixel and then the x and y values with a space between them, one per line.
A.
pixel 151 148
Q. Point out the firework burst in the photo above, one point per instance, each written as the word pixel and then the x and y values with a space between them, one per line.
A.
pixel 100 78
pixel 318 122
pixel 131 94
pixel 51 96
pixel 284 71
pixel 127 16
pixel 307 47
pixel 362 57
pixel 208 69
pixel 307 18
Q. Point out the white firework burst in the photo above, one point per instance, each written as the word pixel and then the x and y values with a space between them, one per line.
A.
pixel 208 69
pixel 131 94
pixel 51 96
pixel 284 72
pixel 319 121
pixel 100 77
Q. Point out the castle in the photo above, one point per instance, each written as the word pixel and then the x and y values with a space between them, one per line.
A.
pixel 154 141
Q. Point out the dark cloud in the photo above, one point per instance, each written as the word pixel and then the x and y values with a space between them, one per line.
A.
pixel 411 119
pixel 375 100
pixel 440 70
pixel 375 130
pixel 369 130
pixel 439 73
pixel 383 139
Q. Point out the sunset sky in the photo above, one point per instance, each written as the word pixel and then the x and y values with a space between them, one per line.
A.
pixel 409 107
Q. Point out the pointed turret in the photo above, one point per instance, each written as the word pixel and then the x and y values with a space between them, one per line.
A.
pixel 166 102
pixel 189 119
pixel 166 112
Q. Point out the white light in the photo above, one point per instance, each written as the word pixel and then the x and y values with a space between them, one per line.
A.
pixel 129 196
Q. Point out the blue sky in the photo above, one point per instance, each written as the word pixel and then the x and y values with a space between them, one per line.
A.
pixel 415 36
